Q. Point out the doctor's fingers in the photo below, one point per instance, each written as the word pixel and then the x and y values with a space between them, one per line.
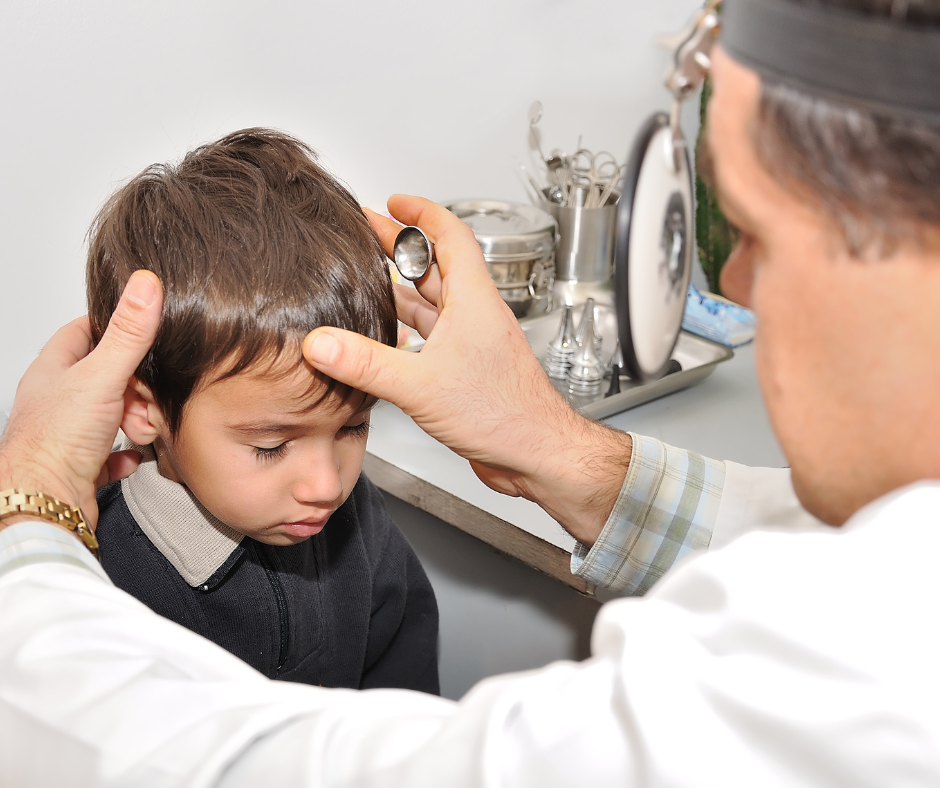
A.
pixel 101 373
pixel 458 253
pixel 387 230
pixel 119 465
pixel 367 365
pixel 66 411
pixel 68 345
pixel 414 310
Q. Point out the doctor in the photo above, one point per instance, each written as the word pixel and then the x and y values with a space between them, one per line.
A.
pixel 799 655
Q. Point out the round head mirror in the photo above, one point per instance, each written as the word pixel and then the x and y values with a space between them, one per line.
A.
pixel 653 249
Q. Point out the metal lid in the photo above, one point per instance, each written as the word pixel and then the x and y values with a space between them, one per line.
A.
pixel 507 231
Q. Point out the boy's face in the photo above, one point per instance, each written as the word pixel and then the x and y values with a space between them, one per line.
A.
pixel 262 456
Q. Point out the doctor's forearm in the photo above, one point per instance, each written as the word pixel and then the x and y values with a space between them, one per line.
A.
pixel 580 475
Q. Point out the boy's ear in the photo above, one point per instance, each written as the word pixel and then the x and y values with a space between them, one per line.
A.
pixel 143 421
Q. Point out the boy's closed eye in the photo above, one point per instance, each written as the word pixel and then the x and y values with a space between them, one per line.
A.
pixel 357 430
pixel 360 429
pixel 270 452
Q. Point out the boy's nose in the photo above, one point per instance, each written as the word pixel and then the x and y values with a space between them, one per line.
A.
pixel 320 485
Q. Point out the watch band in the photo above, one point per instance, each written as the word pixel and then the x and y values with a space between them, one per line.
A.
pixel 38 504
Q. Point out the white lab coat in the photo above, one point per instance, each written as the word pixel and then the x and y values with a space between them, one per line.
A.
pixel 801 655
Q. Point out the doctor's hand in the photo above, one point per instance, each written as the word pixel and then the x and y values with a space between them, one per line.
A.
pixel 476 385
pixel 69 404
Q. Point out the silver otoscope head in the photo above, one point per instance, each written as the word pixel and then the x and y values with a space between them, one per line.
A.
pixel 413 253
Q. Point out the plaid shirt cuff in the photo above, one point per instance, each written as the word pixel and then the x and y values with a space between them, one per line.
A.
pixel 37 542
pixel 666 509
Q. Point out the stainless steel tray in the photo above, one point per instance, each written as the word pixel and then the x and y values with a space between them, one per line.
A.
pixel 698 358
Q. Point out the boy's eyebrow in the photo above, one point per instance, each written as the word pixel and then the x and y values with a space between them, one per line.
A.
pixel 264 427
pixel 275 427
pixel 365 404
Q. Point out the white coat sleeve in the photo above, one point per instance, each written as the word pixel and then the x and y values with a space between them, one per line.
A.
pixel 754 498
pixel 728 674
pixel 98 690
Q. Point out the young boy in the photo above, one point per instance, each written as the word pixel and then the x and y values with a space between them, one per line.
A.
pixel 249 521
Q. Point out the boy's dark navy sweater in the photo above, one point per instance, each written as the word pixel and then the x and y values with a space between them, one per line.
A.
pixel 349 607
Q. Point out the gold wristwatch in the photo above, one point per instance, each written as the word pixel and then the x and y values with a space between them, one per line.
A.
pixel 37 504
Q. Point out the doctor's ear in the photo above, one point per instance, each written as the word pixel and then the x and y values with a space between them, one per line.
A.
pixel 143 420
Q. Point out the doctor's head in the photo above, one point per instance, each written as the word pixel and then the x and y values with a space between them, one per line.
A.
pixel 838 205
pixel 255 245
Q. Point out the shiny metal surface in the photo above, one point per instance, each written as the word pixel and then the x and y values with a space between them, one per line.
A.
pixel 535 115
pixel 698 358
pixel 561 349
pixel 518 243
pixel 507 231
pixel 587 372
pixel 596 173
pixel 616 360
pixel 585 242
pixel 413 253
pixel 589 307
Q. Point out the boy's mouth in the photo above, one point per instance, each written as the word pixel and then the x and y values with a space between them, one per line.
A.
pixel 305 528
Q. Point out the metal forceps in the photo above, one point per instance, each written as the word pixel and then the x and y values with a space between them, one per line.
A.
pixel 597 172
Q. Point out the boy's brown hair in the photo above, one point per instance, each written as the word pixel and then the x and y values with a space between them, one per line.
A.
pixel 255 244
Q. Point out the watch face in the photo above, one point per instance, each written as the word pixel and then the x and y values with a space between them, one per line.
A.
pixel 653 253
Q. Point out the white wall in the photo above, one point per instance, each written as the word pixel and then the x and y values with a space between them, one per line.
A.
pixel 414 96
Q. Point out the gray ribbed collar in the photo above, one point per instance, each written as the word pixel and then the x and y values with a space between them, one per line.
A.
pixel 188 535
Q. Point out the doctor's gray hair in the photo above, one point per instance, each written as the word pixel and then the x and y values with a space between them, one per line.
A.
pixel 877 175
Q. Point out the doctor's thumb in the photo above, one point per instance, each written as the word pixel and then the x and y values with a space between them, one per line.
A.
pixel 132 328
pixel 357 361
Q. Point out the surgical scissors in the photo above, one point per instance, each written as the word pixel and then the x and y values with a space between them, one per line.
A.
pixel 595 171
